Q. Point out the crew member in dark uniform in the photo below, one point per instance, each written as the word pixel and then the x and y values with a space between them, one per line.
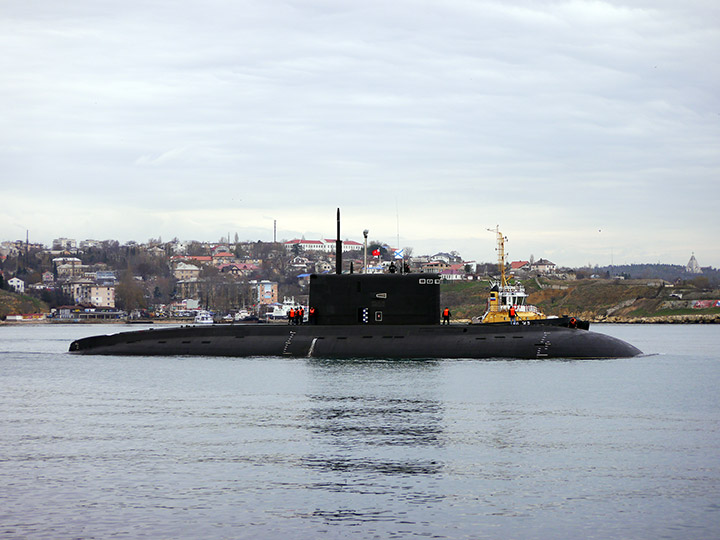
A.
pixel 446 316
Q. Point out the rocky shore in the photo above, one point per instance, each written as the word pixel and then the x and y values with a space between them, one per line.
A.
pixel 699 318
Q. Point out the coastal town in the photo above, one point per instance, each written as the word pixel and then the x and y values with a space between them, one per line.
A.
pixel 227 280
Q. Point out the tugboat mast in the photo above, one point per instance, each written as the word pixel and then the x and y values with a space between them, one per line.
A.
pixel 501 254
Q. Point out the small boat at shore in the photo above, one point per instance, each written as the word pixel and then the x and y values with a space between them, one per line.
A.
pixel 280 312
pixel 203 317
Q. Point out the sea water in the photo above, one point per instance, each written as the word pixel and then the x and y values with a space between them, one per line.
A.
pixel 212 448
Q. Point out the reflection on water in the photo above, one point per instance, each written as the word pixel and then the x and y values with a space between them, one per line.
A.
pixel 370 465
pixel 350 423
pixel 377 427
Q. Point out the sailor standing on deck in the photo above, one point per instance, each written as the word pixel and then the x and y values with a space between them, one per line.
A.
pixel 446 316
pixel 291 316
pixel 513 314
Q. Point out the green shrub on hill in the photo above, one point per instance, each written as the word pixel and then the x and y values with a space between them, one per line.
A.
pixel 15 304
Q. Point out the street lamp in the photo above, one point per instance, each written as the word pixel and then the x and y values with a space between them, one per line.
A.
pixel 365 233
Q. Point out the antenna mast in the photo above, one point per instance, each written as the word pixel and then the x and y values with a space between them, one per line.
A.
pixel 501 254
pixel 338 247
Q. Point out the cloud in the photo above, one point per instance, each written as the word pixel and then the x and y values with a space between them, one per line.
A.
pixel 544 117
pixel 159 159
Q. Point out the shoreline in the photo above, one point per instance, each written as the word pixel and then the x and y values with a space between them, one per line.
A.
pixel 699 318
pixel 693 318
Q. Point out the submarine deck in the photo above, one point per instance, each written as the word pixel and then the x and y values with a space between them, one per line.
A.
pixel 501 340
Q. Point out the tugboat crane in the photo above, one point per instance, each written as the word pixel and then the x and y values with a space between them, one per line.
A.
pixel 501 253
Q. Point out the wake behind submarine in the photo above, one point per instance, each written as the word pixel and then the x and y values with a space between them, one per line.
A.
pixel 388 316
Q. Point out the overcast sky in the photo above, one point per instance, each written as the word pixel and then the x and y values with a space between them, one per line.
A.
pixel 589 131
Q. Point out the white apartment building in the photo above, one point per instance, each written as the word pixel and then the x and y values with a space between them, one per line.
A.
pixel 16 284
pixel 326 245
pixel 86 292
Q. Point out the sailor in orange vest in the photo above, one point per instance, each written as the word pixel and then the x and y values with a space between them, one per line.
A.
pixel 311 315
pixel 446 316
pixel 513 314
pixel 291 316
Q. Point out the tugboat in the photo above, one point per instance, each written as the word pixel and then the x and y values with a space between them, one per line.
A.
pixel 508 303
pixel 389 316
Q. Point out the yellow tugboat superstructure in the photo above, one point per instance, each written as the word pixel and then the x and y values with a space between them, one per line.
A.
pixel 507 303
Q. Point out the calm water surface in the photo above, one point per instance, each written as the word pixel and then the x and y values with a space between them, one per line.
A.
pixel 186 448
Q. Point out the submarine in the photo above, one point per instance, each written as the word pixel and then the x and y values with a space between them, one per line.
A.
pixel 387 316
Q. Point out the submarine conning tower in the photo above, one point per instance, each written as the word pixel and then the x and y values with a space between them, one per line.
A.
pixel 375 299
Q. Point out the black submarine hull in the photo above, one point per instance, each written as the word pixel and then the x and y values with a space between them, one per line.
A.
pixel 551 339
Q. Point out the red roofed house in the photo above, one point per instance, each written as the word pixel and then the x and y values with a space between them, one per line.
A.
pixel 455 272
pixel 222 257
pixel 310 245
pixel 519 265
pixel 197 259
pixel 347 245
pixel 239 269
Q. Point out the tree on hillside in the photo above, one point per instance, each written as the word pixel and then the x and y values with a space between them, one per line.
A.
pixel 196 249
pixel 164 289
pixel 148 266
pixel 264 250
pixel 700 282
pixel 239 251
pixel 129 293
pixel 55 298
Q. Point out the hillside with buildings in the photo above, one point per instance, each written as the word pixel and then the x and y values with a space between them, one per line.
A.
pixel 104 280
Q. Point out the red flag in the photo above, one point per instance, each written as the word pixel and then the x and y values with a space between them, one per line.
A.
pixel 376 252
